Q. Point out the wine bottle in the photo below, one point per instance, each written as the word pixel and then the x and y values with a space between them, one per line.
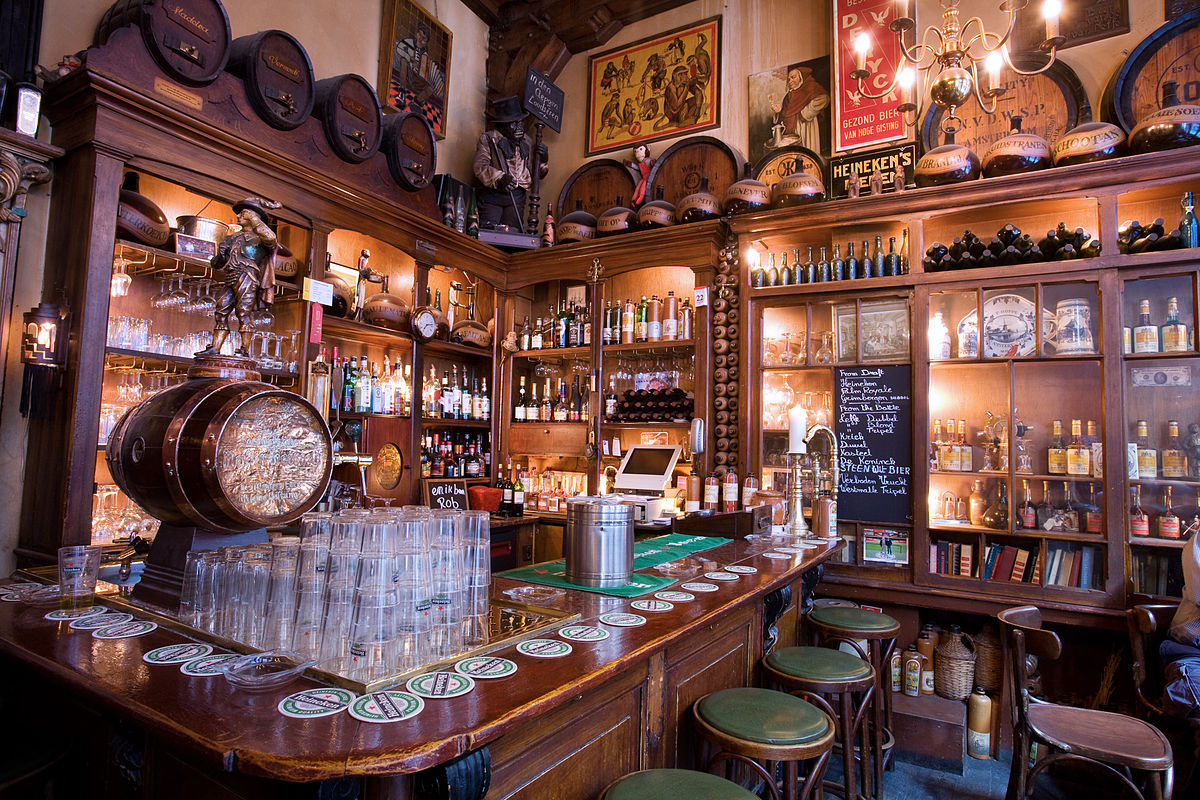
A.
pixel 877 258
pixel 838 267
pixel 891 261
pixel 823 273
pixel 852 267
pixel 1139 522
pixel 521 402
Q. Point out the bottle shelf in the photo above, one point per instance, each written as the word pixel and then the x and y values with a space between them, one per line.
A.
pixel 635 425
pixel 933 362
pixel 439 347
pixel 1066 536
pixel 1164 481
pixel 1158 356
pixel 340 328
pixel 527 424
pixel 557 354
pixel 369 415
pixel 446 422
pixel 115 354
pixel 1154 541
pixel 1024 476
pixel 676 347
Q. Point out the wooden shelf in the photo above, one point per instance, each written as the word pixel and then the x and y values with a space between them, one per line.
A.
pixel 635 425
pixel 158 358
pixel 369 415
pixel 1015 359
pixel 1158 356
pixel 1195 482
pixel 453 349
pixel 442 422
pixel 1164 544
pixel 526 424
pixel 556 354
pixel 164 263
pixel 677 347
pixel 348 329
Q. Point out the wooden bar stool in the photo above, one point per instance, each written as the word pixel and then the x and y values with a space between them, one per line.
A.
pixel 825 676
pixel 758 727
pixel 669 784
pixel 833 625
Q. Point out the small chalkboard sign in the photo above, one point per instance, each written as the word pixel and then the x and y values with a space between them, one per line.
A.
pixel 874 428
pixel 543 99
pixel 445 493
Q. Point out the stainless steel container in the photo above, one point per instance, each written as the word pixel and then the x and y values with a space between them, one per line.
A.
pixel 210 230
pixel 598 543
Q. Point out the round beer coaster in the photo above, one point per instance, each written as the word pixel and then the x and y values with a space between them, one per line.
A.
pixel 486 667
pixel 104 620
pixel 389 706
pixel 675 597
pixel 176 653
pixel 440 685
pixel 652 605
pixel 623 620
pixel 720 576
pixel 698 586
pixel 206 666
pixel 741 570
pixel 778 556
pixel 10 597
pixel 544 648
pixel 796 548
pixel 125 630
pixel 64 616
pixel 583 633
pixel 316 702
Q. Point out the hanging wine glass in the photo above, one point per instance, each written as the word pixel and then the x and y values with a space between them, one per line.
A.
pixel 160 300
pixel 291 357
pixel 177 299
pixel 206 303
pixel 262 318
pixel 119 286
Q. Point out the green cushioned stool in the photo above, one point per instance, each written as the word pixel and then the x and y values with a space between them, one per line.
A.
pixel 841 685
pixel 833 626
pixel 758 727
pixel 669 784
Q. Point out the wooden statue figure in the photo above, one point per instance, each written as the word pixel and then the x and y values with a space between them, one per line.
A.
pixel 503 159
pixel 852 185
pixel 876 182
pixel 248 258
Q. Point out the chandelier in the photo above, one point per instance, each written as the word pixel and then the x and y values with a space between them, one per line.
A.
pixel 950 57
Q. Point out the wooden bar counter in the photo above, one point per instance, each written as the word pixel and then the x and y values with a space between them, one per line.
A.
pixel 559 728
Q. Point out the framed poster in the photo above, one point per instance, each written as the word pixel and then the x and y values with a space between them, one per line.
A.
pixel 1081 21
pixel 858 120
pixel 656 88
pixel 414 63
pixel 884 326
pixel 790 106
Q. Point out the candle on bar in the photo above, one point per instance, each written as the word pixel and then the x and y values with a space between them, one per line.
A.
pixel 862 46
pixel 797 427
pixel 1050 10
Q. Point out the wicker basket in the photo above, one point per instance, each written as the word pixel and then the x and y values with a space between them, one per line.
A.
pixel 954 665
pixel 989 660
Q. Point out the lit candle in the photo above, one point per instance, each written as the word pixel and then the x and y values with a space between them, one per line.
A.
pixel 797 427
pixel 907 79
pixel 1050 10
pixel 862 46
pixel 992 65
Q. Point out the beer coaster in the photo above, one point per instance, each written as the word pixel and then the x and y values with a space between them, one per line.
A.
pixel 675 597
pixel 96 621
pixel 652 605
pixel 389 706
pixel 206 666
pixel 796 548
pixel 12 591
pixel 698 586
pixel 485 667
pixel 66 616
pixel 176 653
pixel 741 570
pixel 125 630
pixel 623 620
pixel 583 633
pixel 544 648
pixel 720 576
pixel 10 597
pixel 316 702
pixel 778 556
pixel 440 685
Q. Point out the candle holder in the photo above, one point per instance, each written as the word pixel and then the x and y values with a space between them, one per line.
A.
pixel 795 526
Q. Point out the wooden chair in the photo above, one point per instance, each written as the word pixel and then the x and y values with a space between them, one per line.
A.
pixel 1148 626
pixel 1118 744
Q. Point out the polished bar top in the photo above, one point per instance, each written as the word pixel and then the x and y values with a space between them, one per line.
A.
pixel 234 730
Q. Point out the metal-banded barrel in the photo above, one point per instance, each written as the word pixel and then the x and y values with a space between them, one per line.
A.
pixel 226 455
pixel 278 77
pixel 411 150
pixel 598 543
pixel 189 39
pixel 351 116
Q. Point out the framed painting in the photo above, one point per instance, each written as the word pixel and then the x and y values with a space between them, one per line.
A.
pixel 788 106
pixel 414 64
pixel 656 88
pixel 884 329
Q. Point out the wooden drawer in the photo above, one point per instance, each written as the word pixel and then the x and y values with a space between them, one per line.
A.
pixel 547 438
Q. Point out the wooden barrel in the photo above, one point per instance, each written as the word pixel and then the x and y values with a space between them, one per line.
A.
pixel 225 455
pixel 1050 103
pixel 682 165
pixel 189 39
pixel 278 77
pixel 597 183
pixel 411 150
pixel 1172 52
pixel 351 116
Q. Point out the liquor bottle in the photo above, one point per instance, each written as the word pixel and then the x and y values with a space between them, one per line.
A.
pixel 471 227
pixel 437 460
pixel 610 399
pixel 1168 522
pixel 1139 523
pixel 939 337
pixel 729 492
pixel 935 447
pixel 1079 455
pixel 1068 512
pixel 616 220
pixel 532 409
pixel 628 317
pixel 578 226
pixel 772 273
pixel 318 385
pixel 641 321
pixel 518 495
pixel 546 413
pixel 996 515
pixel 1172 124
pixel 864 264
pixel 1016 153
pixel 1189 231
pixel 891 261
pixel 824 272
pixel 485 403
pixel 561 414
pixel 966 455
pixel 562 327
pixel 877 258
pixel 1056 454
pixel 446 202
pixel 349 381
pixel 670 317
pixel 903 255
pixel 853 271
pixel 1173 334
pixel 787 275
pixel 362 387
pixel 1045 509
pixel 548 226
pixel 1147 457
pixel 1027 513
pixel 687 316
pixel 535 336
pixel 837 268
pixel 712 492
pixel 460 212
pixel 506 496
pixel 692 499
pixel 950 455
pixel 375 399
pixel 976 503
pixel 750 492
pixel 949 163
pixel 657 213
pixel 575 413
pixel 1174 460
pixel 698 206
pixel 1093 516
pixel 654 319
pixel 525 335
pixel 1145 333
pixel 585 326
pixel 806 272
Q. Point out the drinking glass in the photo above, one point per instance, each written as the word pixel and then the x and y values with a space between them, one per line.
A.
pixel 475 530
pixel 448 585
pixel 337 605
pixel 281 593
pixel 78 569
pixel 177 298
pixel 373 627
pixel 253 579
pixel 227 590
pixel 119 285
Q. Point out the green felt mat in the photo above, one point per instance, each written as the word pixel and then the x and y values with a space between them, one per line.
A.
pixel 646 553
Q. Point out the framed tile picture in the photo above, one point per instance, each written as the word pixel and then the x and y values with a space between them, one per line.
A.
pixel 656 88
pixel 414 64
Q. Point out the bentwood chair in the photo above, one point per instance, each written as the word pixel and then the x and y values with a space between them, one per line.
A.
pixel 1148 626
pixel 1134 753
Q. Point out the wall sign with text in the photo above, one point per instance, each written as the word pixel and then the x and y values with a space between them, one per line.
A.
pixel 859 121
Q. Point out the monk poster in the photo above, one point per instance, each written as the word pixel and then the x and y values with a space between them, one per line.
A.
pixel 656 88
pixel 789 105
pixel 858 120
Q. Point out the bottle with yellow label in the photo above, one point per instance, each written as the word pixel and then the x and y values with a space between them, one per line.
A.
pixel 1056 454
pixel 1147 456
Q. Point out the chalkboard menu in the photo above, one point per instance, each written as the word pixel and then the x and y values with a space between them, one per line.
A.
pixel 445 493
pixel 874 413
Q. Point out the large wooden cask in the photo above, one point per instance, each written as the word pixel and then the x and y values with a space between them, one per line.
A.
pixel 278 77
pixel 189 39
pixel 351 116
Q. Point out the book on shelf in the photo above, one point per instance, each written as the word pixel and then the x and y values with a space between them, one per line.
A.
pixel 1086 566
pixel 989 562
pixel 1031 574
pixel 1019 563
pixel 1004 563
pixel 965 563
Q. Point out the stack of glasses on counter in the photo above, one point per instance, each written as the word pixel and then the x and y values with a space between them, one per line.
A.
pixel 362 594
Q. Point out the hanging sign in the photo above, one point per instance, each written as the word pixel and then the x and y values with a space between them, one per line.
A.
pixel 858 120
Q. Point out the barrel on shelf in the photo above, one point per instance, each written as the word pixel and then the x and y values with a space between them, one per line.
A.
pixel 411 150
pixel 1171 52
pixel 682 165
pixel 189 39
pixel 223 455
pixel 597 183
pixel 278 77
pixel 351 116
